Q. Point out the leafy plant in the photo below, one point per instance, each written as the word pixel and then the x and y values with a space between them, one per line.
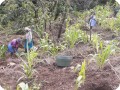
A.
pixel 54 49
pixel 96 42
pixel 3 49
pixel 44 42
pixel 28 65
pixel 104 54
pixel 48 46
pixel 81 76
pixel 73 34
pixel 83 36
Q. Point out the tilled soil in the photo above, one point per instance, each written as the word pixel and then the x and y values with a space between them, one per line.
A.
pixel 52 77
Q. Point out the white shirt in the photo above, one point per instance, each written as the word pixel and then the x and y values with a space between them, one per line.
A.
pixel 29 36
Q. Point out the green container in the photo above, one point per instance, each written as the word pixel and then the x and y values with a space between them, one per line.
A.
pixel 63 61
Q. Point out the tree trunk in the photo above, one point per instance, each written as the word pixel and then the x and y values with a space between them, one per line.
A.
pixel 62 23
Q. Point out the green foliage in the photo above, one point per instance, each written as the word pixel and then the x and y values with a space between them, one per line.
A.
pixel 96 42
pixel 48 46
pixel 81 76
pixel 44 42
pixel 116 26
pixel 73 34
pixel 3 49
pixel 54 49
pixel 102 18
pixel 105 53
pixel 28 65
pixel 83 36
pixel 105 20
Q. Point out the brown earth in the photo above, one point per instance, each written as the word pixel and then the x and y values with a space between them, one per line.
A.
pixel 51 77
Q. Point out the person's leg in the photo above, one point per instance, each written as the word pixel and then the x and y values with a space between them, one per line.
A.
pixel 90 27
pixel 90 32
pixel 30 45
pixel 25 46
pixel 11 54
pixel 25 50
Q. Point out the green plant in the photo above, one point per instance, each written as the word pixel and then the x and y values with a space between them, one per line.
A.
pixel 104 54
pixel 81 76
pixel 3 49
pixel 44 42
pixel 97 42
pixel 73 34
pixel 54 49
pixel 48 46
pixel 83 36
pixel 27 65
pixel 28 68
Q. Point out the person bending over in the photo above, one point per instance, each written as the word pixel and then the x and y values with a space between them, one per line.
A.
pixel 14 45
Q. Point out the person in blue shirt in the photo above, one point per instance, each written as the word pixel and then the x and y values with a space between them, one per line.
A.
pixel 92 22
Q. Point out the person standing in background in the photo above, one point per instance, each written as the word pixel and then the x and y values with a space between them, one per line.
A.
pixel 28 44
pixel 92 22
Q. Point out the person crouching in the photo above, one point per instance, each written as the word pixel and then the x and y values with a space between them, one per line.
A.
pixel 13 46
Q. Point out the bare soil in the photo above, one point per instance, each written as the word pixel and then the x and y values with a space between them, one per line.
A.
pixel 52 77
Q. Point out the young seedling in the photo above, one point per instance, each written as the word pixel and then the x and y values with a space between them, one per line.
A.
pixel 104 54
pixel 81 76
pixel 27 65
pixel 96 42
